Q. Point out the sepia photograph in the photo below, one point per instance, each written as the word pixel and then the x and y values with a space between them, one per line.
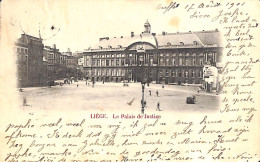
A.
pixel 129 80
pixel 139 71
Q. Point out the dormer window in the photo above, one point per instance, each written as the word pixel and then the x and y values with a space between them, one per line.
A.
pixel 181 43
pixel 109 46
pixel 195 42
pixel 100 47
pixel 119 46
pixel 168 44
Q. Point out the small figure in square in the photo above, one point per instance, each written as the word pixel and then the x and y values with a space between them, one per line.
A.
pixel 158 107
pixel 157 93
pixel 150 92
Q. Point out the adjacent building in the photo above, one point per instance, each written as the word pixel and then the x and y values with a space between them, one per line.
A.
pixel 21 51
pixel 38 64
pixel 31 71
pixel 162 58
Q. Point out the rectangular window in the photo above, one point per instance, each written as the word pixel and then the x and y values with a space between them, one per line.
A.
pixel 180 61
pixel 112 72
pixel 193 74
pixel 173 61
pixel 180 74
pixel 98 63
pixel 107 62
pixel 167 62
pixel 117 62
pixel 122 62
pixel 193 61
pixel 186 61
pixel 186 74
pixel 200 74
pixel 201 61
pixel 173 73
pixel 93 63
pixel 112 62
pixel 161 61
pixel 160 73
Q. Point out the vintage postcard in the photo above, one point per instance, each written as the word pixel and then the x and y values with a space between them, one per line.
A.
pixel 129 80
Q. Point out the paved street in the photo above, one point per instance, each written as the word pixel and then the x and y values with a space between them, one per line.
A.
pixel 114 97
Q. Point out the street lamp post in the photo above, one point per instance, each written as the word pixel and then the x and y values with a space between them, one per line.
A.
pixel 143 102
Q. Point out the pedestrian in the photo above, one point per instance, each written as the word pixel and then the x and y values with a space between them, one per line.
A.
pixel 24 101
pixel 150 92
pixel 199 90
pixel 163 86
pixel 194 98
pixel 158 107
pixel 157 93
pixel 86 82
pixel 103 81
pixel 77 85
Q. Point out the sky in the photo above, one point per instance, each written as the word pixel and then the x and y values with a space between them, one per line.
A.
pixel 79 24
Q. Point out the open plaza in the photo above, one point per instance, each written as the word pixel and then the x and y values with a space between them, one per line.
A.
pixel 114 97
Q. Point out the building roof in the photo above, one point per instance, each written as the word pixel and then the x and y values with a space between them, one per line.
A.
pixel 169 40
pixel 123 42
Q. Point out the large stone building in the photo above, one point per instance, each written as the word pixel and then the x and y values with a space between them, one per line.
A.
pixel 31 70
pixel 21 51
pixel 161 58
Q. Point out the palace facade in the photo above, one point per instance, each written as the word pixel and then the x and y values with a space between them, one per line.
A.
pixel 162 58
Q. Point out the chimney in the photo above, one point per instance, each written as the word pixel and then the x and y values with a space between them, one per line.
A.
pixel 54 46
pixel 163 33
pixel 154 34
pixel 121 36
pixel 132 34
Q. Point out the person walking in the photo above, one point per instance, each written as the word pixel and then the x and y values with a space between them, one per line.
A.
pixel 157 93
pixel 158 107
pixel 199 89
pixel 150 92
